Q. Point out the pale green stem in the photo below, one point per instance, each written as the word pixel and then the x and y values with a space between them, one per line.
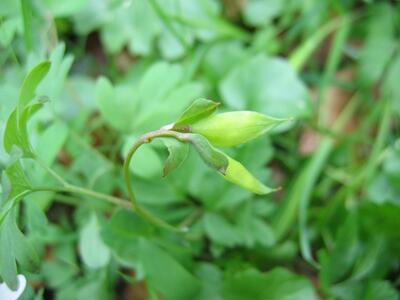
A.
pixel 79 190
pixel 145 139
pixel 51 171
pixel 67 187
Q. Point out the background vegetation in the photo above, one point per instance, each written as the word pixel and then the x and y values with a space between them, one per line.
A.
pixel 120 68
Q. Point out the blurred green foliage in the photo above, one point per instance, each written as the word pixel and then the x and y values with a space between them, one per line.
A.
pixel 120 68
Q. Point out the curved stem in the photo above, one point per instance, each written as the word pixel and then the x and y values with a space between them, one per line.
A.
pixel 145 139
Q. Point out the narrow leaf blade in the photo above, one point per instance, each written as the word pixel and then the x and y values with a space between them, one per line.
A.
pixel 31 81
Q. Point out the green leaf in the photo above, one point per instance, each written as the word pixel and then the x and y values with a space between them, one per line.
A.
pixel 85 21
pixel 278 284
pixel 143 24
pixel 381 29
pixel 8 29
pixel 116 104
pixel 178 152
pixel 252 230
pixel 9 8
pixel 126 224
pixel 61 63
pixel 23 250
pixel 48 146
pixel 380 290
pixel 163 95
pixel 337 264
pixel 199 109
pixel 211 278
pixel 8 266
pixel 371 290
pixel 164 274
pixel 157 82
pixel 267 85
pixel 211 156
pixel 14 185
pixel 30 84
pixel 143 30
pixel 51 142
pixel 222 57
pixel 16 177
pixel 121 234
pixel 95 254
pixel 261 12
pixel 15 247
pixel 16 132
pixel 64 9
pixel 390 86
pixel 37 223
pixel 219 230
pixel 58 273
pixel 130 239
pixel 146 162
pixel 381 219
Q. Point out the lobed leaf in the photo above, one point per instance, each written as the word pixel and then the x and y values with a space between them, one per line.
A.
pixel 16 133
pixel 17 178
pixel 14 246
pixel 277 284
pixel 94 253
pixel 8 265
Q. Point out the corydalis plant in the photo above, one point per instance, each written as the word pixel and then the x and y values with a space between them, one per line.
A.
pixel 200 127
pixel 197 126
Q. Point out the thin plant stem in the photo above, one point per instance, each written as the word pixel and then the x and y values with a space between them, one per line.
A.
pixel 79 190
pixel 70 189
pixel 50 171
pixel 67 187
pixel 145 139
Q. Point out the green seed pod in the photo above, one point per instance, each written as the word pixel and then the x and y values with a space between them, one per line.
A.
pixel 238 174
pixel 234 128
